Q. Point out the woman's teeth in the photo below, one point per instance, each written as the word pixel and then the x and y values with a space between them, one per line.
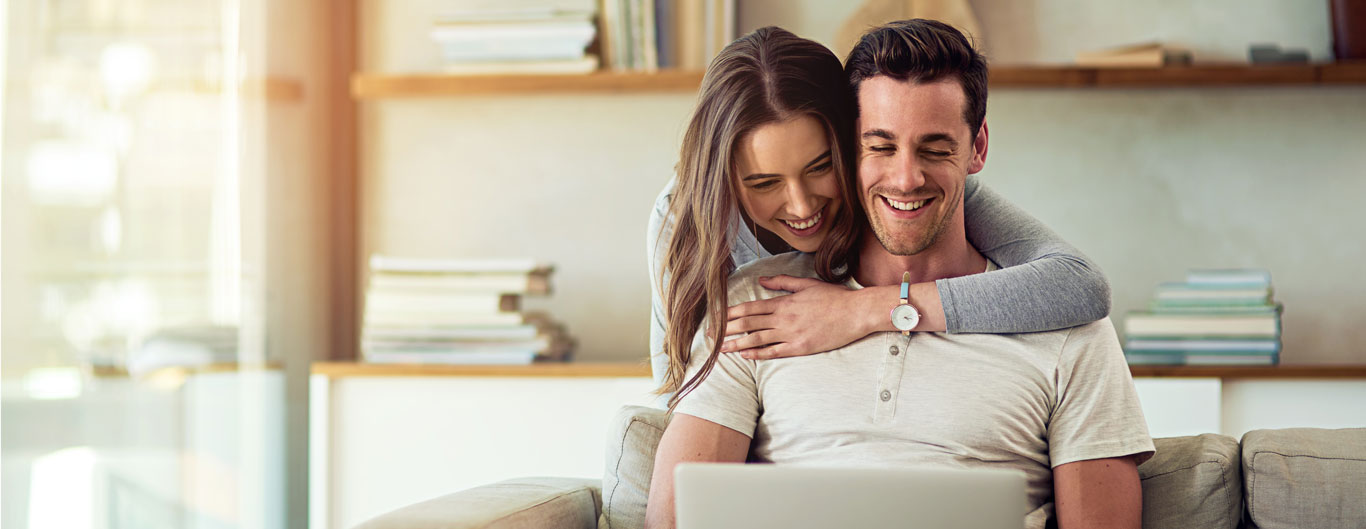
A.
pixel 906 206
pixel 804 224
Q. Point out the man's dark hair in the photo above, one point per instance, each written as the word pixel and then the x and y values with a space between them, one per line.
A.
pixel 922 51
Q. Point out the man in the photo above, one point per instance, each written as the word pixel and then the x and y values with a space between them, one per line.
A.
pixel 1058 406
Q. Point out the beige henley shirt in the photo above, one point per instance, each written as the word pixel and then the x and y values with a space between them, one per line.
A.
pixel 1028 402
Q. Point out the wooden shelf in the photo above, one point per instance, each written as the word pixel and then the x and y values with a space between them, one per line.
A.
pixel 1227 372
pixel 1212 75
pixel 572 369
pixel 548 369
pixel 375 86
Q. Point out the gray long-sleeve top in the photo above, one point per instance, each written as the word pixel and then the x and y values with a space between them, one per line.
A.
pixel 1043 284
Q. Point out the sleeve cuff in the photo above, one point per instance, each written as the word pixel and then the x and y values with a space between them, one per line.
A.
pixel 1143 448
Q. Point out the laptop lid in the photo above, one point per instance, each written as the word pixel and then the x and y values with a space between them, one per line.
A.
pixel 739 496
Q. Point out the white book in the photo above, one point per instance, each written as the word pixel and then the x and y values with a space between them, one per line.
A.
pixel 420 265
pixel 511 283
pixel 1251 277
pixel 1231 360
pixel 1139 324
pixel 585 65
pixel 537 344
pixel 1182 292
pixel 579 31
pixel 474 333
pixel 418 319
pixel 458 55
pixel 503 358
pixel 524 14
pixel 387 300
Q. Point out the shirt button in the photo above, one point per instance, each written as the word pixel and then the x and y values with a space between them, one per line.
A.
pixel 886 395
pixel 895 350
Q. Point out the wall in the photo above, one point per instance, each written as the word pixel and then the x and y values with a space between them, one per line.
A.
pixel 1148 183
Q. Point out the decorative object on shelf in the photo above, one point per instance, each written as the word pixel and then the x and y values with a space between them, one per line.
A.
pixel 1145 55
pixel 1349 29
pixel 1273 54
pixel 1214 317
pixel 873 13
pixel 458 311
pixel 523 41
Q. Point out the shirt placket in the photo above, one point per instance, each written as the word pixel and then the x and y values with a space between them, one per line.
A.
pixel 893 347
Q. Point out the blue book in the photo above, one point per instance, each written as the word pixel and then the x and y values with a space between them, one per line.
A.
pixel 1180 294
pixel 1201 360
pixel 1158 307
pixel 1155 359
pixel 1201 346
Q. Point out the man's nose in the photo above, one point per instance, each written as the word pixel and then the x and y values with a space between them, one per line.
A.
pixel 909 174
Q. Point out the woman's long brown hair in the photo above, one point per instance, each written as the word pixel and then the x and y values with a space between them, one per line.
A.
pixel 767 76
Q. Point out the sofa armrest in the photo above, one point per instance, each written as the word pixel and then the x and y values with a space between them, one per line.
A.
pixel 570 503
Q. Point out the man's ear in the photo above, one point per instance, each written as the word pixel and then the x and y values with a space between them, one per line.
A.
pixel 979 151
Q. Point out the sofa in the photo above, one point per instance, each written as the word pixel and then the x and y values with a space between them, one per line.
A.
pixel 1271 479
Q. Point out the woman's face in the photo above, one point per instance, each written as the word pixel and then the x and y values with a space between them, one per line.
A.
pixel 787 181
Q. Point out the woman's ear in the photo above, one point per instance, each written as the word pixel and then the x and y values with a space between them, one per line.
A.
pixel 979 151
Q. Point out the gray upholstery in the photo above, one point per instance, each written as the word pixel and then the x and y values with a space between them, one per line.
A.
pixel 1297 478
pixel 565 503
pixel 1192 482
pixel 631 445
pixel 1305 477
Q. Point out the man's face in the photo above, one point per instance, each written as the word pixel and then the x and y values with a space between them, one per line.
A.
pixel 915 152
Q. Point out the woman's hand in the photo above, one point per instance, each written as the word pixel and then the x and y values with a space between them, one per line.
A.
pixel 816 317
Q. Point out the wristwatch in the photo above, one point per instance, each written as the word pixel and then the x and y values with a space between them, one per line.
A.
pixel 904 316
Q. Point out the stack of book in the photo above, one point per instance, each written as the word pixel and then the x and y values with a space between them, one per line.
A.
pixel 441 311
pixel 516 41
pixel 1215 317
pixel 647 35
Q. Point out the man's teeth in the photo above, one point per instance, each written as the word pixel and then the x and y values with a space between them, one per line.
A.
pixel 806 223
pixel 907 206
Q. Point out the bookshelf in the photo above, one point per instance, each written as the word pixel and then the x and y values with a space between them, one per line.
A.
pixel 380 86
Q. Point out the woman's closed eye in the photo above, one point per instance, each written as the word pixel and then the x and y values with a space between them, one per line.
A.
pixel 820 169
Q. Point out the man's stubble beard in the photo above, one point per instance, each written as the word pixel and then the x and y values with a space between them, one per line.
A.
pixel 927 238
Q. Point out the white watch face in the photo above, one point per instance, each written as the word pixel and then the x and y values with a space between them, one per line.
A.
pixel 905 317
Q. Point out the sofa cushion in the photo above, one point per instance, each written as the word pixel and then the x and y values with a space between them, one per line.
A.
pixel 1305 477
pixel 1192 482
pixel 631 445
pixel 567 503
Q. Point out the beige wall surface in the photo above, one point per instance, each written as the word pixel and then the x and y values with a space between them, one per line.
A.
pixel 1148 183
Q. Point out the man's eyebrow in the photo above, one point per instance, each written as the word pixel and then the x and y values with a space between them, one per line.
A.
pixel 940 136
pixel 879 133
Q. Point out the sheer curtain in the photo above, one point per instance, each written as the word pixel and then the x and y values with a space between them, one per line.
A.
pixel 161 283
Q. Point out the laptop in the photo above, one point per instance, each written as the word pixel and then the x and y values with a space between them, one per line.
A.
pixel 740 496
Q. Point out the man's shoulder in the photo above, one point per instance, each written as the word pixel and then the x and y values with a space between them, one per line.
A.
pixel 744 282
pixel 1102 330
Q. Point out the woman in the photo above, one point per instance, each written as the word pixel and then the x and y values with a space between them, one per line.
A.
pixel 771 94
